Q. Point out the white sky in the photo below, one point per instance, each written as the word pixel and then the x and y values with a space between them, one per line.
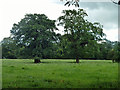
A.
pixel 12 11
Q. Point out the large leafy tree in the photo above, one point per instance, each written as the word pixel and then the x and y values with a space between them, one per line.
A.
pixel 79 32
pixel 36 32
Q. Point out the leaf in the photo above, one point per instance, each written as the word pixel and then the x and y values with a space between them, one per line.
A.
pixel 67 3
pixel 77 5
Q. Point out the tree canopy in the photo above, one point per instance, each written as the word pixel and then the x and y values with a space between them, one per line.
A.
pixel 79 32
pixel 35 33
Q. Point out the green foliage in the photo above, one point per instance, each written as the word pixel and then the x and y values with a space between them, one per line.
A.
pixel 8 48
pixel 36 58
pixel 63 50
pixel 116 50
pixel 35 33
pixel 34 36
pixel 105 49
pixel 79 32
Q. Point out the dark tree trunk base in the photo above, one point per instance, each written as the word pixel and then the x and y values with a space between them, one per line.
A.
pixel 77 60
pixel 37 61
pixel 116 61
pixel 113 61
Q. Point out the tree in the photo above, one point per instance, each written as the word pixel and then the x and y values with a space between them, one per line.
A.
pixel 35 33
pixel 116 52
pixel 105 49
pixel 8 48
pixel 79 32
pixel 63 48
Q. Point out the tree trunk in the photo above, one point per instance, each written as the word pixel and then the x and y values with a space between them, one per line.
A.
pixel 37 61
pixel 77 60
pixel 113 60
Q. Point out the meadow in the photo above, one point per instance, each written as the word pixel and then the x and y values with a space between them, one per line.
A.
pixel 59 73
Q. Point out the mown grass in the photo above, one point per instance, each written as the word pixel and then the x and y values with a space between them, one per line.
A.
pixel 51 73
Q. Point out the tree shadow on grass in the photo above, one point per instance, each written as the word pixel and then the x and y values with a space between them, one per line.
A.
pixel 36 63
pixel 49 62
pixel 57 61
pixel 70 62
pixel 53 62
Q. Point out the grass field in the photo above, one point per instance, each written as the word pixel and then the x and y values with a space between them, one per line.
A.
pixel 59 73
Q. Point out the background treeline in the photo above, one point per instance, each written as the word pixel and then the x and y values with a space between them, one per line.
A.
pixel 103 50
pixel 35 37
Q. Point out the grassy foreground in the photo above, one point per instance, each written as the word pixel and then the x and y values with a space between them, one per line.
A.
pixel 59 73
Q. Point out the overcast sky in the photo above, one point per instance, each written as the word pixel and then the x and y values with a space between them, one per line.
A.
pixel 12 11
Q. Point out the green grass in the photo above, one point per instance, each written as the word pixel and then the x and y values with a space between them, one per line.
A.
pixel 58 73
